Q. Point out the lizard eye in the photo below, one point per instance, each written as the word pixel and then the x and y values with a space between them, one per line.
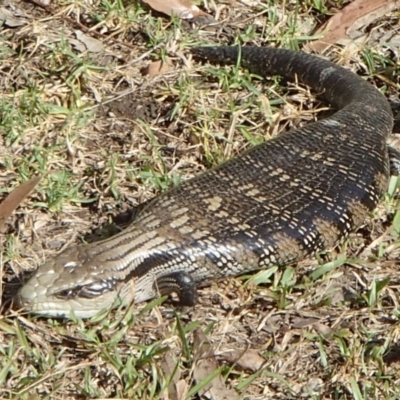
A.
pixel 89 291
pixel 97 288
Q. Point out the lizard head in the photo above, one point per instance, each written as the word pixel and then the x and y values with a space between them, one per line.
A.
pixel 71 282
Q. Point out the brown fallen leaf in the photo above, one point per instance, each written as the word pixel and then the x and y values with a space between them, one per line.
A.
pixel 337 27
pixel 172 373
pixel 91 44
pixel 302 322
pixel 157 67
pixel 248 360
pixel 323 329
pixel 207 371
pixel 14 199
pixel 182 389
pixel 12 19
pixel 181 8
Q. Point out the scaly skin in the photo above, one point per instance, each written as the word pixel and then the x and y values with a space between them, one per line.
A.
pixel 275 204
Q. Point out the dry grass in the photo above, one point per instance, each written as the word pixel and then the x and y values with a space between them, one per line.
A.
pixel 106 139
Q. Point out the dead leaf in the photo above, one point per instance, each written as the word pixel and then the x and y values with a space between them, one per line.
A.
pixel 93 45
pixel 301 322
pixel 182 389
pixel 181 8
pixel 14 199
pixel 206 365
pixel 11 19
pixel 157 67
pixel 323 329
pixel 357 14
pixel 77 44
pixel 249 359
pixel 172 372
pixel 206 21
